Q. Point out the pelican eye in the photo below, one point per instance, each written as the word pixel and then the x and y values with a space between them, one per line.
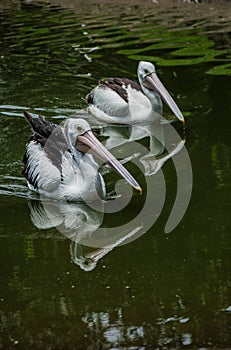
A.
pixel 146 71
pixel 79 128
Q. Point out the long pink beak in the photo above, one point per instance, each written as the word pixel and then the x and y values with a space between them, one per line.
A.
pixel 88 143
pixel 153 82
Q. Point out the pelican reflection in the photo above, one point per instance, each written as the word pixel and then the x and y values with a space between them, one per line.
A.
pixel 152 157
pixel 82 224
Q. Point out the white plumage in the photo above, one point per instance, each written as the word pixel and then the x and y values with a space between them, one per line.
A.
pixel 123 101
pixel 58 163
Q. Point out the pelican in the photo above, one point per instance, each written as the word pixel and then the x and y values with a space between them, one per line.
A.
pixel 123 101
pixel 59 162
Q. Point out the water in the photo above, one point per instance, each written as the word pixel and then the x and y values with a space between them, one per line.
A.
pixel 158 291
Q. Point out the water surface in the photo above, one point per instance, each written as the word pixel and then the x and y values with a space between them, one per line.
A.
pixel 160 291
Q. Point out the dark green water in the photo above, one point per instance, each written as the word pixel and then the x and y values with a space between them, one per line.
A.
pixel 159 291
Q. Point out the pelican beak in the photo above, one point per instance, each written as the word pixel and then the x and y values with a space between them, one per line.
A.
pixel 152 82
pixel 88 143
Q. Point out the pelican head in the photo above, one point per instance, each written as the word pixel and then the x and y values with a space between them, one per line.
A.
pixel 81 139
pixel 74 128
pixel 149 80
pixel 145 69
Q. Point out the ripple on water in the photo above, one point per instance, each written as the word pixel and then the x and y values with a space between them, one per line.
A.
pixel 182 35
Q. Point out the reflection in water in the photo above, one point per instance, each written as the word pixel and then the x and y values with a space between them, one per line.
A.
pixel 153 160
pixel 220 161
pixel 114 330
pixel 79 222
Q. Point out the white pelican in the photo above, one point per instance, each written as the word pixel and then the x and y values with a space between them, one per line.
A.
pixel 58 162
pixel 123 101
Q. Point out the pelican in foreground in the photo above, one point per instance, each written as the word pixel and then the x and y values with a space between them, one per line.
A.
pixel 123 101
pixel 59 162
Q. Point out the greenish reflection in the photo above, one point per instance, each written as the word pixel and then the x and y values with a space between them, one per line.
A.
pixel 53 35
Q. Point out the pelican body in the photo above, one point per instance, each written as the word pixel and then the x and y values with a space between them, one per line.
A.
pixel 123 101
pixel 59 162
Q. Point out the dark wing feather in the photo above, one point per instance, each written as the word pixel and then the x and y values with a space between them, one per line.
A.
pixel 50 137
pixel 117 85
pixel 41 127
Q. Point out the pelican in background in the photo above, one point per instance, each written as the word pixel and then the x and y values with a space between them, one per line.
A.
pixel 123 101
pixel 59 162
